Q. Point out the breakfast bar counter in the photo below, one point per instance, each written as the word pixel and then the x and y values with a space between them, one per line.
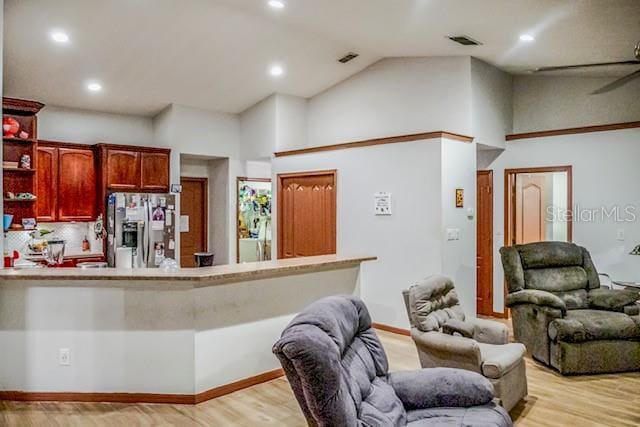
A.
pixel 152 335
pixel 195 277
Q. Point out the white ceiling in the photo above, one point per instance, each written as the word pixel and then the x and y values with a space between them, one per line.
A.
pixel 214 54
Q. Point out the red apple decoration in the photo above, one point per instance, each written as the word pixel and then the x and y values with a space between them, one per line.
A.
pixel 10 126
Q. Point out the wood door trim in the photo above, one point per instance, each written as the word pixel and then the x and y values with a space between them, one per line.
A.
pixel 509 195
pixel 238 179
pixel 282 176
pixel 490 173
pixel 205 207
pixel 377 141
pixel 573 131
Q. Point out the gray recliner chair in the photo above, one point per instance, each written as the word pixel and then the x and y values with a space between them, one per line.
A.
pixel 444 337
pixel 338 371
pixel 563 316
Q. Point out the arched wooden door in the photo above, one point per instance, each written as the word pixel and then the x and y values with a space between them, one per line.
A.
pixel 306 214
pixel 530 208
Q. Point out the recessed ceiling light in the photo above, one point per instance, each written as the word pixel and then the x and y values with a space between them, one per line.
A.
pixel 276 4
pixel 59 36
pixel 527 38
pixel 94 87
pixel 276 70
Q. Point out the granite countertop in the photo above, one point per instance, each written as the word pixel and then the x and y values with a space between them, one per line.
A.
pixel 195 277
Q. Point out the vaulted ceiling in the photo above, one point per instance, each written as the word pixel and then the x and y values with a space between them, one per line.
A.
pixel 215 54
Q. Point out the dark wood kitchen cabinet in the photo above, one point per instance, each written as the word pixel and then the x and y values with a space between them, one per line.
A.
pixel 122 169
pixel 77 199
pixel 131 169
pixel 46 183
pixel 66 182
pixel 154 171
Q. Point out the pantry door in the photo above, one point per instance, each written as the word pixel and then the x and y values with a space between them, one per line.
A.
pixel 306 214
pixel 193 205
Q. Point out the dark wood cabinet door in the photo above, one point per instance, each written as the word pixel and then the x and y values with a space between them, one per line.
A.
pixel 123 169
pixel 46 183
pixel 76 184
pixel 306 214
pixel 154 171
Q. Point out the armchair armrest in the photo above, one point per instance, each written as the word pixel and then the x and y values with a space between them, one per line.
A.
pixel 441 387
pixel 612 299
pixel 536 297
pixel 489 331
pixel 447 350
pixel 452 326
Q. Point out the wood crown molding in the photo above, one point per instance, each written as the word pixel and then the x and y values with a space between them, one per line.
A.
pixel 180 399
pixel 572 131
pixel 12 105
pixel 377 141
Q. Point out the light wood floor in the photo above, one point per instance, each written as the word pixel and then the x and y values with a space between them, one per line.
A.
pixel 601 400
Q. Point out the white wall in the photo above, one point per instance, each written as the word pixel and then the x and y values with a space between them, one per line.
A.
pixel 394 96
pixel 258 130
pixel 459 256
pixel 491 104
pixel 291 122
pixel 90 127
pixel 410 243
pixel 605 173
pixel 543 103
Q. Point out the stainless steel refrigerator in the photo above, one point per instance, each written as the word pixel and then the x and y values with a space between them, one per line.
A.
pixel 140 229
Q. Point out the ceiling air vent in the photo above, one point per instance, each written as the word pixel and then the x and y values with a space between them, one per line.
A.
pixel 464 40
pixel 348 57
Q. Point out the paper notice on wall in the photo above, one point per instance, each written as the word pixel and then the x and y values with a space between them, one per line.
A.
pixel 382 203
pixel 184 223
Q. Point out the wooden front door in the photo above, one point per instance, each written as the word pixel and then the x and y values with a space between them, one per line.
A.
pixel 484 243
pixel 193 204
pixel 530 208
pixel 306 214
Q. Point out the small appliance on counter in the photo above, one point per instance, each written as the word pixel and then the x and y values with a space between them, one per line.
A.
pixel 140 229
pixel 54 252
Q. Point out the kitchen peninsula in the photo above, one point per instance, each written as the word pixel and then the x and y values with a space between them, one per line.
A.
pixel 154 335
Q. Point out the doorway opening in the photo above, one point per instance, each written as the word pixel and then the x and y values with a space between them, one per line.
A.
pixel 253 219
pixel 484 243
pixel 306 214
pixel 538 205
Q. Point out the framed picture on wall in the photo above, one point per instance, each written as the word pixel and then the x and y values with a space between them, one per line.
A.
pixel 459 198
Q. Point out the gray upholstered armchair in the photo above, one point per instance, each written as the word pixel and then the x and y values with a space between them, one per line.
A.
pixel 444 337
pixel 563 316
pixel 338 371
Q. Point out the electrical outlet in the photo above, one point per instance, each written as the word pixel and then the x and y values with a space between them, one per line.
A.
pixel 64 357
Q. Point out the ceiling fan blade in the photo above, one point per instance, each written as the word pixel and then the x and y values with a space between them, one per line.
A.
pixel 599 64
pixel 617 83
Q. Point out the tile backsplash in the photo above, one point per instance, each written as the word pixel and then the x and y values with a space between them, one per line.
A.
pixel 72 232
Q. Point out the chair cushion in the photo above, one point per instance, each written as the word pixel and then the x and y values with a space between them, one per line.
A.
pixel 550 255
pixel 432 302
pixel 589 325
pixel 612 299
pixel 488 415
pixel 497 360
pixel 559 279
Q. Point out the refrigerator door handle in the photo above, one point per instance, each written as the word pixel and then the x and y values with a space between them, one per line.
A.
pixel 147 236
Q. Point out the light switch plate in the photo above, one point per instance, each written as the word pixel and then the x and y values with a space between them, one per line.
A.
pixel 620 234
